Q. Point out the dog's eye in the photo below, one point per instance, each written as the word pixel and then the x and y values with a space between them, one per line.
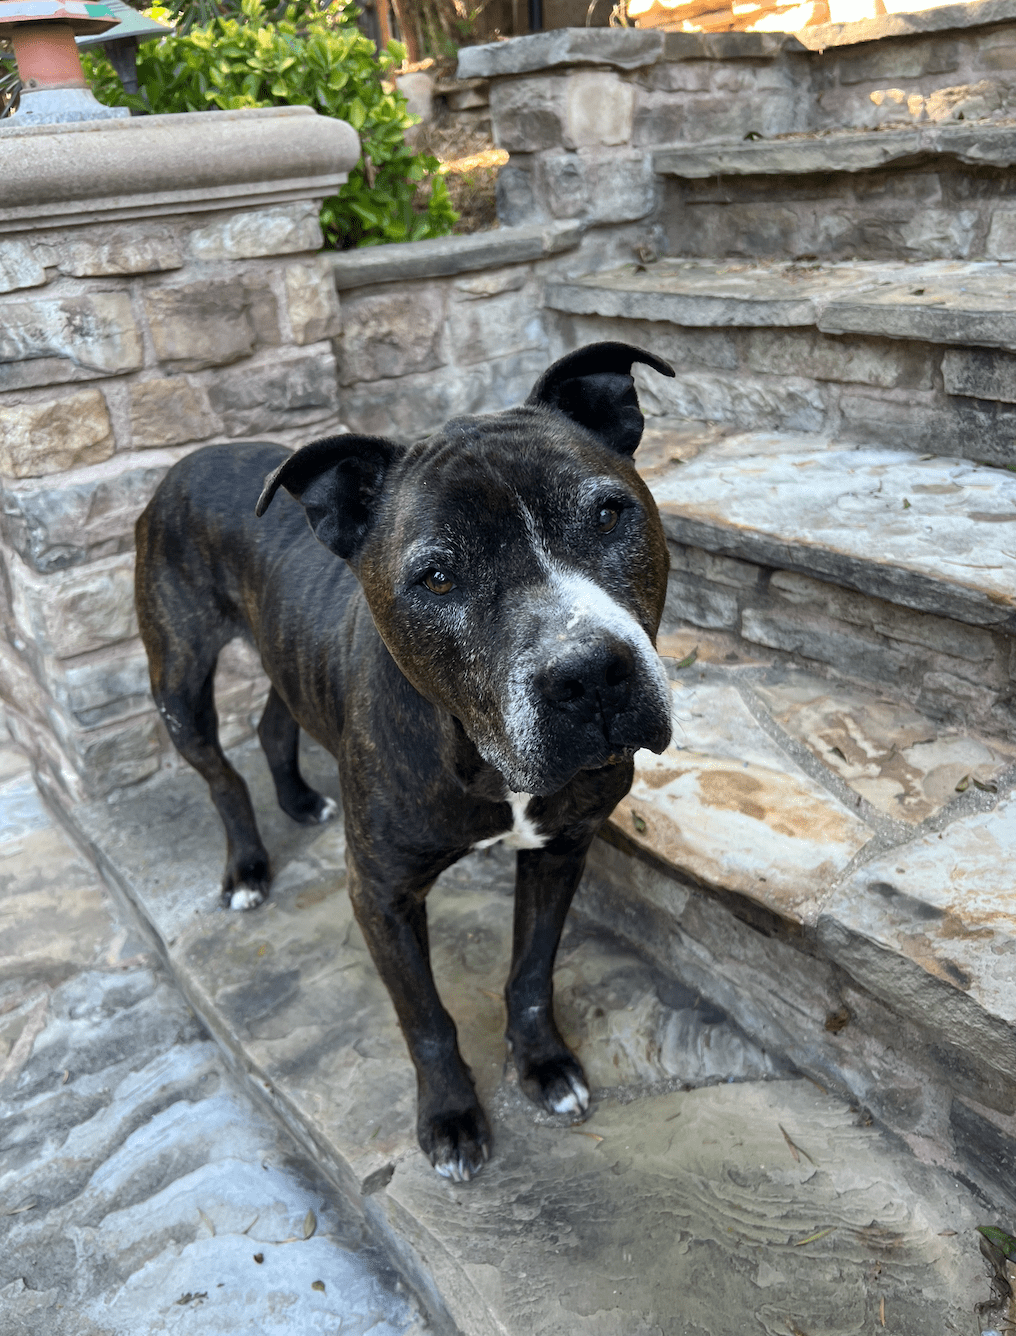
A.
pixel 607 519
pixel 438 583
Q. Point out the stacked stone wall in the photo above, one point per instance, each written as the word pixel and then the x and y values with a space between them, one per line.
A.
pixel 121 349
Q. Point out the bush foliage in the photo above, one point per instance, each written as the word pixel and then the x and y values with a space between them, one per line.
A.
pixel 305 56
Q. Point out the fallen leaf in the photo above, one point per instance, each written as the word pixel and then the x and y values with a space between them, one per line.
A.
pixel 310 1224
pixel 906 504
pixel 318 1285
pixel 963 785
pixel 813 1238
pixel 1005 1243
pixel 795 1150
pixel 259 1258
pixel 985 788
pixel 688 659
pixel 639 823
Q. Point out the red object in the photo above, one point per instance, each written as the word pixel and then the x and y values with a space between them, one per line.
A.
pixel 42 33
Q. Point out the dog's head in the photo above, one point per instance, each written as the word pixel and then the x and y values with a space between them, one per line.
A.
pixel 515 567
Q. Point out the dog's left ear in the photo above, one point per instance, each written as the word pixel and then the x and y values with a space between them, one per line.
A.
pixel 594 387
pixel 338 481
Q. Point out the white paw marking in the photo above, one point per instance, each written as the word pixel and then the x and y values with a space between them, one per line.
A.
pixel 567 1104
pixel 328 810
pixel 245 898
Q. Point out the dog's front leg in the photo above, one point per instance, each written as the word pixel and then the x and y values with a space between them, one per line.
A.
pixel 549 1073
pixel 452 1128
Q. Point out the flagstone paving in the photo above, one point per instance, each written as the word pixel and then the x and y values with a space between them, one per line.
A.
pixel 140 1189
pixel 711 1190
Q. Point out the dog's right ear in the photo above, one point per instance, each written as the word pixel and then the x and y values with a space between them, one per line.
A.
pixel 338 481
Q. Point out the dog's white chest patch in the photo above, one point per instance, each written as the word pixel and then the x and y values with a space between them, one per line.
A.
pixel 523 833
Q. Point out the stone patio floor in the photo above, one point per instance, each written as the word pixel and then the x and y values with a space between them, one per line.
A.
pixel 140 1188
pixel 711 1192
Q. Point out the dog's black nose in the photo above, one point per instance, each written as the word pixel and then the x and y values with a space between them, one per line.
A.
pixel 589 681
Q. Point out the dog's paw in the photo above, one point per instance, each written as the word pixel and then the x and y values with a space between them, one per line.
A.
pixel 308 807
pixel 556 1084
pixel 329 807
pixel 457 1144
pixel 245 884
pixel 244 897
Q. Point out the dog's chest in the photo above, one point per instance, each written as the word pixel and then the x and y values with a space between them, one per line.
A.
pixel 522 834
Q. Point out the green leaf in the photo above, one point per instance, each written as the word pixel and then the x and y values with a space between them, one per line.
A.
pixel 1005 1243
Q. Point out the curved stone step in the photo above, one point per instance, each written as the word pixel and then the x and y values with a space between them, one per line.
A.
pixel 938 301
pixel 934 534
pixel 974 144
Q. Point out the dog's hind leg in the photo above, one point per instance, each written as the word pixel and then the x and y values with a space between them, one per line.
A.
pixel 184 694
pixel 280 737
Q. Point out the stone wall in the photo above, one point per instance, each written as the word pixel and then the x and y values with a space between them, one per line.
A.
pixel 160 319
pixel 583 114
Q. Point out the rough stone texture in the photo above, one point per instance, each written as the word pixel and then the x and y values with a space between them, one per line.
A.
pixel 942 912
pixel 980 374
pixel 599 110
pixel 86 515
pixel 57 434
pixel 597 185
pixel 815 512
pixel 504 1255
pixel 169 412
pixel 18 267
pixel 454 255
pixel 528 114
pixel 277 391
pixel 123 1126
pixel 196 325
pixel 388 334
pixel 95 331
pixel 725 805
pixel 118 250
pixel 243 236
pixel 74 611
pixel 623 48
pixel 499 326
pixel 312 302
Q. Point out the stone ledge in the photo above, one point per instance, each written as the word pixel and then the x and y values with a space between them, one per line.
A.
pixel 943 302
pixel 813 511
pixel 621 48
pixel 979 145
pixel 168 164
pixel 979 14
pixel 444 256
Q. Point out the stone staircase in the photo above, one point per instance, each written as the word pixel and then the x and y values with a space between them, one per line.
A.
pixel 824 850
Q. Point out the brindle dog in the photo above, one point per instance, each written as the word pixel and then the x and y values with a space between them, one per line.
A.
pixel 480 662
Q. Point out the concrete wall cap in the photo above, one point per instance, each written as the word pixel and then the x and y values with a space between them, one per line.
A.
pixel 443 256
pixel 623 48
pixel 122 168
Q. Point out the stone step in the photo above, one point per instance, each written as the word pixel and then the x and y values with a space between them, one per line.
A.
pixel 710 1189
pixel 941 302
pixel 831 867
pixel 975 144
pixel 918 356
pixel 946 528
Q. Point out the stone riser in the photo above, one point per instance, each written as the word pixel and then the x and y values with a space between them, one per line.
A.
pixel 893 392
pixel 940 210
pixel 790 992
pixel 950 671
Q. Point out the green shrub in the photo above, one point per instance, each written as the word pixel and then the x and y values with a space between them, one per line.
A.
pixel 306 57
